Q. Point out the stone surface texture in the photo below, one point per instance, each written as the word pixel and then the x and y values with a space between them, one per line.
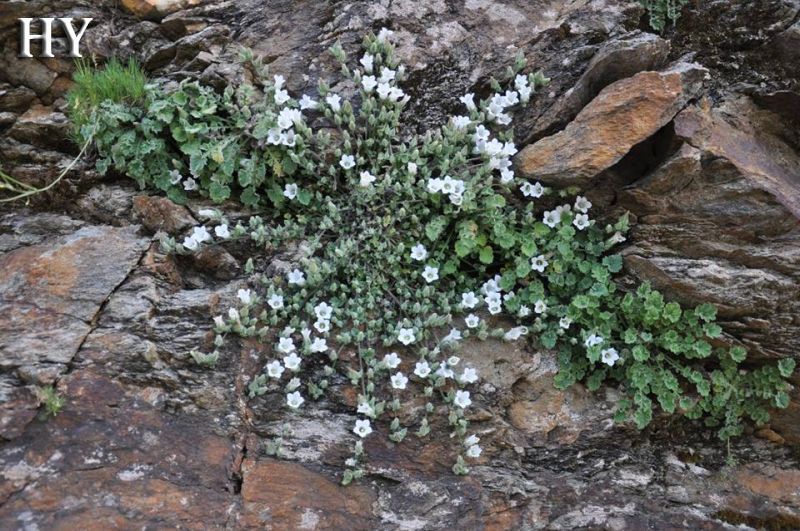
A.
pixel 695 132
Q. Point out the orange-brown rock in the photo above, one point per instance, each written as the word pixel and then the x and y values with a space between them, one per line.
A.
pixel 624 114
pixel 161 214
pixel 156 9
pixel 280 495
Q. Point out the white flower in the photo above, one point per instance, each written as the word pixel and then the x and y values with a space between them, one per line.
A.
pixel 506 176
pixel 294 400
pixel 200 234
pixel 540 307
pixel 418 252
pixel 474 451
pixel 384 34
pixel 582 204
pixel 515 333
pixel 399 380
pixel 468 100
pixel 551 218
pixel 366 178
pixel 471 440
pixel 219 322
pixel 435 185
pixel 281 97
pixel 290 191
pixel 190 243
pixel 334 101
pixel 524 311
pixel 323 311
pixel 387 75
pixel 347 161
pixel 469 375
pixel 274 369
pixel 307 103
pixel 406 336
pixel 175 177
pixel 362 428
pixel 412 168
pixel 233 314
pixel 422 369
pixel 365 409
pixel 452 361
pixel 532 190
pixel 286 345
pixel 452 337
pixel 279 81
pixel 539 263
pixel 296 276
pixel 275 301
pixel 222 231
pixel 462 399
pixel 369 83
pixel 472 320
pixel 274 136
pixel 322 325
pixel 491 285
pixel 494 309
pixel 444 372
pixel 190 184
pixel 564 322
pixel 593 340
pixel 245 295
pixel 581 221
pixel 292 361
pixel 493 297
pixel 430 273
pixel 460 122
pixel 319 345
pixel 391 360
pixel 367 62
pixel 469 300
pixel 609 356
pixel 449 185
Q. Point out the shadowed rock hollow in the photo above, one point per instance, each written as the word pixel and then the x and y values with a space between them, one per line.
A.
pixel 694 132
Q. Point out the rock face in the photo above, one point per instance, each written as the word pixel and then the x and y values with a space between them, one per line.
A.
pixel 702 149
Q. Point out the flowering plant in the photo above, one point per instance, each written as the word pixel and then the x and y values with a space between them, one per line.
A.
pixel 409 245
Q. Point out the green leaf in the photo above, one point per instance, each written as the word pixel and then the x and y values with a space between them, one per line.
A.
pixel 782 400
pixel 672 312
pixel 712 330
pixel 613 263
pixel 786 367
pixel 640 353
pixel 434 228
pixel 706 312
pixel 219 192
pixel 529 248
pixel 738 354
pixel 486 255
pixel 304 197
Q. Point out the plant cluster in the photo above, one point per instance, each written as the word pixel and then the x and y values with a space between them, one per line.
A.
pixel 50 401
pixel 660 12
pixel 411 244
pixel 192 139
